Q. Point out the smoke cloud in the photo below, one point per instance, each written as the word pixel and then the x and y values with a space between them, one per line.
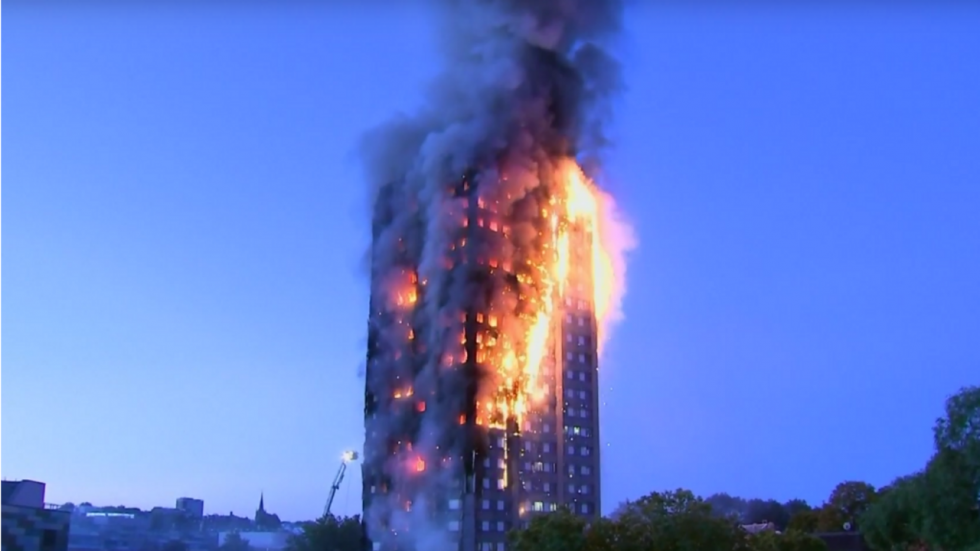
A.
pixel 526 83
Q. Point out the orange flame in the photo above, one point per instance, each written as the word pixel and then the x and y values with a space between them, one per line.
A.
pixel 515 348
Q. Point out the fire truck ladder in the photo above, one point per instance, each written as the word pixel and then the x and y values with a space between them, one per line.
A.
pixel 348 457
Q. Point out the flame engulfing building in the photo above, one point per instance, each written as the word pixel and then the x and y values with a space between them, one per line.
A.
pixel 494 268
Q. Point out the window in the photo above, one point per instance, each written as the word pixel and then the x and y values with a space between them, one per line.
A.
pixel 501 464
pixel 527 445
pixel 571 412
pixel 545 427
pixel 527 465
pixel 581 395
pixel 486 504
pixel 553 507
pixel 373 488
pixel 569 355
pixel 500 505
pixel 486 483
pixel 571 488
pixel 453 527
pixel 581 340
pixel 569 374
pixel 486 546
pixel 546 447
pixel 547 487
pixel 571 450
pixel 501 483
pixel 571 470
pixel 538 506
pixel 485 526
pixel 500 442
pixel 586 470
pixel 377 545
pixel 581 321
pixel 581 358
pixel 581 375
pixel 568 338
pixel 486 462
pixel 500 546
pixel 538 466
pixel 500 526
pixel 585 450
pixel 585 508
pixel 453 504
pixel 585 488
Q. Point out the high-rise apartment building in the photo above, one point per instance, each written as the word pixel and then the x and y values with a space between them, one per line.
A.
pixel 436 460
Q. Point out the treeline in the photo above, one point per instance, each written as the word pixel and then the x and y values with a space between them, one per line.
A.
pixel 935 509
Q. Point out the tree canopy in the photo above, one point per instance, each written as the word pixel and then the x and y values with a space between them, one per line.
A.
pixel 329 533
pixel 939 506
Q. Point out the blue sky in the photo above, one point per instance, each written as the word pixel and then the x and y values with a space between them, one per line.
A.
pixel 184 225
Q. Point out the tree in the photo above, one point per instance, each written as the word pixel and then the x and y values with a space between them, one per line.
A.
pixel 677 521
pixel 846 504
pixel 329 533
pixel 804 522
pixel 559 531
pixel 795 506
pixel 940 506
pixel 759 511
pixel 790 541
pixel 894 522
pixel 960 428
pixel 235 542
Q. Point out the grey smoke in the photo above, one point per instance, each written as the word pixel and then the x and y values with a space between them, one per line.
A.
pixel 525 82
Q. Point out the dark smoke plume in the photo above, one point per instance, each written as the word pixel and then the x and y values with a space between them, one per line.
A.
pixel 526 83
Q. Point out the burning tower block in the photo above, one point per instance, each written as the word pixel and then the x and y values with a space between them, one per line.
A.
pixel 482 383
pixel 494 271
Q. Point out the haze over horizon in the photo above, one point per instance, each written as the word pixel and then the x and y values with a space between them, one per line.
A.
pixel 186 223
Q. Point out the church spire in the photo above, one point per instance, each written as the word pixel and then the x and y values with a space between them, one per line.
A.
pixel 262 502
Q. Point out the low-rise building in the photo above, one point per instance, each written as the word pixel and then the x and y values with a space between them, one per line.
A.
pixel 29 525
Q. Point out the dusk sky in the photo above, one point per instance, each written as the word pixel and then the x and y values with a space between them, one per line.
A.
pixel 185 225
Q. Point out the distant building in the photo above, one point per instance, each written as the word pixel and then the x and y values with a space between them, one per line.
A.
pixel 759 527
pixel 265 521
pixel 27 525
pixel 194 508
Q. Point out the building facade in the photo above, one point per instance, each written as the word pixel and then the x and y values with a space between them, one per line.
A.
pixel 193 508
pixel 496 471
pixel 28 525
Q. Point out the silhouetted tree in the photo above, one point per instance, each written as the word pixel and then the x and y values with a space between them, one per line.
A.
pixel 846 504
pixel 939 507
pixel 329 533
pixel 234 542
